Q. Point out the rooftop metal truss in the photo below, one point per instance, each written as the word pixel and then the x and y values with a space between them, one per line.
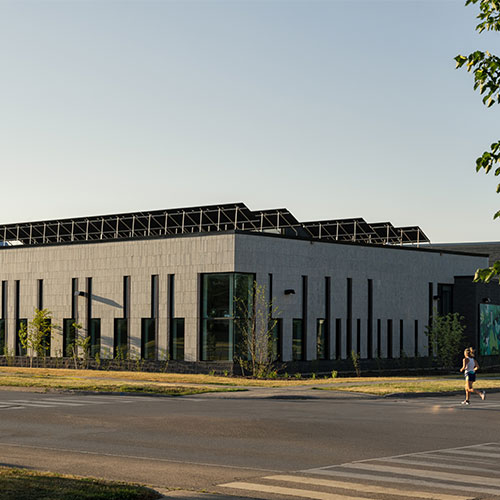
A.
pixel 212 218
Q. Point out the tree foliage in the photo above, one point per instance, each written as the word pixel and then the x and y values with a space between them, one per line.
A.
pixel 446 338
pixel 256 322
pixel 35 336
pixel 486 70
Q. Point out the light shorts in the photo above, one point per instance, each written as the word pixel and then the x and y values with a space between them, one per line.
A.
pixel 470 376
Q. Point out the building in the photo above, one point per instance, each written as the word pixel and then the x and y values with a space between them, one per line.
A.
pixel 161 284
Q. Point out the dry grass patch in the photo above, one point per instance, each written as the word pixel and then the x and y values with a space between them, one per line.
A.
pixel 175 378
pixel 16 484
pixel 416 386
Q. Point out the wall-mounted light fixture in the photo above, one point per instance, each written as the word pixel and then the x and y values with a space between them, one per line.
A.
pixel 79 293
pixel 289 291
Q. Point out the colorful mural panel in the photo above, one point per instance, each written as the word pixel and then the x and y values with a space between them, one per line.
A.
pixel 489 329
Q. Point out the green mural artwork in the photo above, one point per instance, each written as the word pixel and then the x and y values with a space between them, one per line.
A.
pixel 489 329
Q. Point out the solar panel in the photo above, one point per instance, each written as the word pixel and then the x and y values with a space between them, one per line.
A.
pixel 209 218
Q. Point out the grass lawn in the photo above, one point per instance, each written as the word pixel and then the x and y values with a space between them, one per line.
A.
pixel 16 484
pixel 21 376
pixel 385 387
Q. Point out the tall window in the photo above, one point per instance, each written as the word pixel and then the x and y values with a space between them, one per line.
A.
pixel 219 340
pixel 95 336
pixel 321 338
pixel 177 339
pixel 176 324
pixel 120 341
pixel 148 344
pixel 277 338
pixel 297 340
pixel 389 338
pixel 69 333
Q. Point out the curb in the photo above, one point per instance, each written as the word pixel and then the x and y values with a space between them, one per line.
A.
pixel 432 394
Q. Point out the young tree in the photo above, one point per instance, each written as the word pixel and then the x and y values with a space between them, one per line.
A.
pixel 35 336
pixel 486 70
pixel 446 338
pixel 255 326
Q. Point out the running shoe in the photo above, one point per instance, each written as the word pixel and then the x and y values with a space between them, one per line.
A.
pixel 483 395
pixel 466 402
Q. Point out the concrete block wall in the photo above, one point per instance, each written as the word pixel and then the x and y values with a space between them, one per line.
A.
pixel 107 263
pixel 400 278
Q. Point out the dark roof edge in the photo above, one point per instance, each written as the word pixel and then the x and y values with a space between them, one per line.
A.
pixel 248 233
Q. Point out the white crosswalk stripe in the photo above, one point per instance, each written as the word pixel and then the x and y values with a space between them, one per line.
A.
pixel 444 474
pixel 52 402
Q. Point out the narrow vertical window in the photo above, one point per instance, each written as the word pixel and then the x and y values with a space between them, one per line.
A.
pixel 415 333
pixel 20 323
pixel 148 325
pixel 369 326
pixel 40 295
pixel 276 329
pixel 349 317
pixel 297 340
pixel 431 312
pixel 379 338
pixel 177 325
pixel 4 299
pixel 304 316
pixel 320 339
pixel 89 301
pixel 401 339
pixel 126 297
pixel 389 338
pixel 74 298
pixel 338 338
pixel 358 336
pixel 3 320
pixel 328 313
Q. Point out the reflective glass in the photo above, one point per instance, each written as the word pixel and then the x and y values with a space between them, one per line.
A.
pixel 217 345
pixel 216 295
pixel 297 340
pixel 320 339
pixel 177 339
pixel 68 336
pixel 20 350
pixel 120 343
pixel 148 341
pixel 95 337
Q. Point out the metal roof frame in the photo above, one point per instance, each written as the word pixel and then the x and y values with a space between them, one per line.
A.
pixel 210 218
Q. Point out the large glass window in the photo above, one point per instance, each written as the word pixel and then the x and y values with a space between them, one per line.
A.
pixel 120 343
pixel 148 338
pixel 297 344
pixel 95 337
pixel 219 312
pixel 177 339
pixel 68 336
pixel 320 338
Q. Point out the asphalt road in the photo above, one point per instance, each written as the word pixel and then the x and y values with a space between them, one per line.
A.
pixel 263 444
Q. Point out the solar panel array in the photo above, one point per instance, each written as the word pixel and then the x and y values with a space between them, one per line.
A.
pixel 211 218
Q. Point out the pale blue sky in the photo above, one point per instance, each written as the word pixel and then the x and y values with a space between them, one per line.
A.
pixel 333 109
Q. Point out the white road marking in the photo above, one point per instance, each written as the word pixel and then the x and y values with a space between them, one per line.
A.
pixel 421 461
pixel 444 476
pixel 366 488
pixel 417 482
pixel 280 490
pixel 472 452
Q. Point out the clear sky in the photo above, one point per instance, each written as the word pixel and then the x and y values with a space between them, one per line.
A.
pixel 332 109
